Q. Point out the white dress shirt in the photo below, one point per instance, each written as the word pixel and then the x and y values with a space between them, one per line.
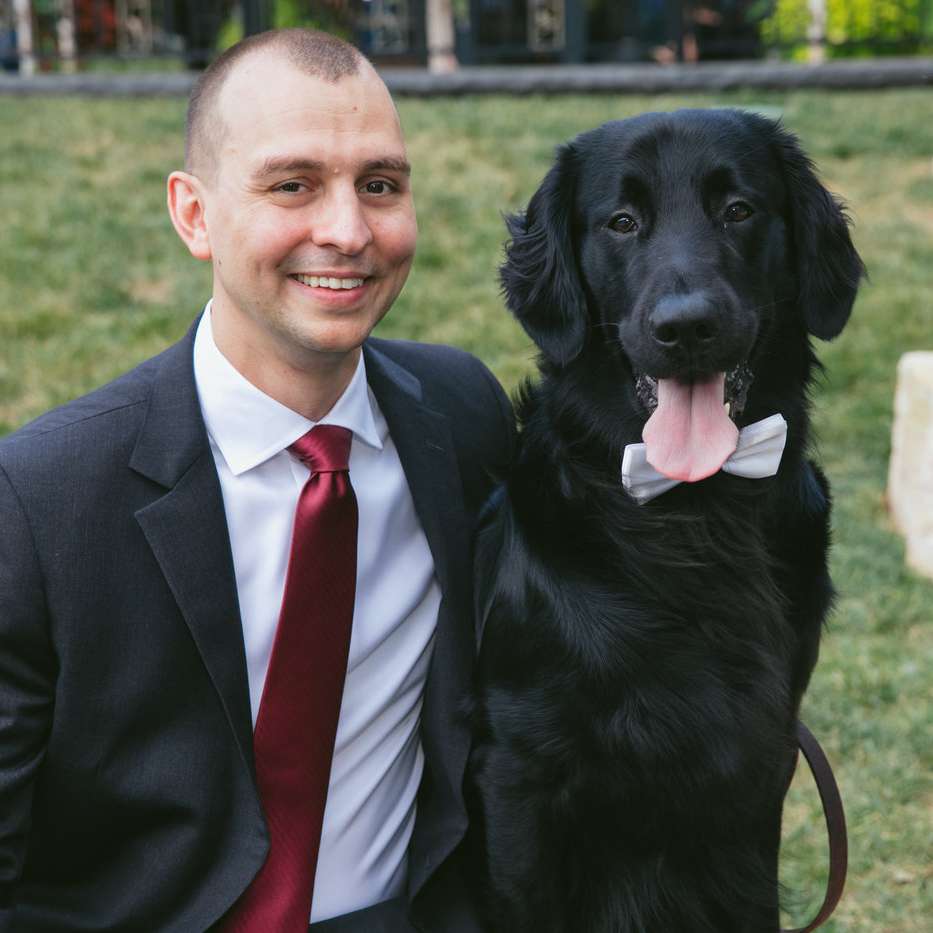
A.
pixel 378 758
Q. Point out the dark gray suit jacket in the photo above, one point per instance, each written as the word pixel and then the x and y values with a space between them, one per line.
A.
pixel 127 791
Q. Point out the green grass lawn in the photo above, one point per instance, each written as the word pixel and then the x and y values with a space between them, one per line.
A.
pixel 93 279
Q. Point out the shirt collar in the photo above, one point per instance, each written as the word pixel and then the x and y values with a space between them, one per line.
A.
pixel 249 426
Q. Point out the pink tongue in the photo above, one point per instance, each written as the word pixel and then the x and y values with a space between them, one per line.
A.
pixel 690 436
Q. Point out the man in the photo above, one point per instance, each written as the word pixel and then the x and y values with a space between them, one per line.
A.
pixel 179 568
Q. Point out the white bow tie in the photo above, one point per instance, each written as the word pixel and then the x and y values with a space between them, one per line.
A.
pixel 757 455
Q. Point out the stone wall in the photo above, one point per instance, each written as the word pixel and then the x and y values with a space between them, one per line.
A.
pixel 910 480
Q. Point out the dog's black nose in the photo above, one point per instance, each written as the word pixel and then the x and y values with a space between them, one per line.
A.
pixel 687 322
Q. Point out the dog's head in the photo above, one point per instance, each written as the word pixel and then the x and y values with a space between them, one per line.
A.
pixel 681 238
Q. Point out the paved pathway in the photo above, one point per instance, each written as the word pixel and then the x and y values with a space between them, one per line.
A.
pixel 554 79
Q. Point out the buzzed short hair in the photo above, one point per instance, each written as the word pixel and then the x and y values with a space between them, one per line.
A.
pixel 309 50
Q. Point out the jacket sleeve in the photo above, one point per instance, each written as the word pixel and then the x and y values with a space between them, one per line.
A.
pixel 507 427
pixel 27 678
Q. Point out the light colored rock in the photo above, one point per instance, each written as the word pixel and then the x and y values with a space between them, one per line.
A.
pixel 910 478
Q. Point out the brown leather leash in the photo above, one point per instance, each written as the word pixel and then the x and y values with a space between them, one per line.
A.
pixel 835 826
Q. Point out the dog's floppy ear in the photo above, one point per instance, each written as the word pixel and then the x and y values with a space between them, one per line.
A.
pixel 828 267
pixel 539 277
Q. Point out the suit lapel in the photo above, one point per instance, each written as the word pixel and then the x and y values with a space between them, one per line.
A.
pixel 425 446
pixel 187 530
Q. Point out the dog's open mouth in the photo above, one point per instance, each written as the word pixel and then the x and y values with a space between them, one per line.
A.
pixel 737 383
pixel 692 428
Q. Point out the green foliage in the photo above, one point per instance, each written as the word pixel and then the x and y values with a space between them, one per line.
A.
pixel 93 280
pixel 864 20
pixel 851 25
pixel 787 25
pixel 461 10
pixel 231 31
pixel 328 17
pixel 286 14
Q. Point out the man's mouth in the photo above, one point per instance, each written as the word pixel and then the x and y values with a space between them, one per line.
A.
pixel 327 281
pixel 737 383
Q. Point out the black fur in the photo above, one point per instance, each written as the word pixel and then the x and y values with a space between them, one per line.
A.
pixel 642 666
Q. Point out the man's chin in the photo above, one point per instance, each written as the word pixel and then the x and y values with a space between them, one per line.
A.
pixel 335 341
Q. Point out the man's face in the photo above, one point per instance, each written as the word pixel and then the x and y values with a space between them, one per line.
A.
pixel 309 215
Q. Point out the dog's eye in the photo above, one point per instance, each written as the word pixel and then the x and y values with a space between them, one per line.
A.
pixel 737 212
pixel 623 223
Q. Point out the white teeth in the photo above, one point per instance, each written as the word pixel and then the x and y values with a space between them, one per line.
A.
pixel 327 281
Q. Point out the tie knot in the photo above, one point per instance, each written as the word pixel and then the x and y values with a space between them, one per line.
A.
pixel 324 449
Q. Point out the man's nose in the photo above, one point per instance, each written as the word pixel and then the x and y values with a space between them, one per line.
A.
pixel 688 322
pixel 339 222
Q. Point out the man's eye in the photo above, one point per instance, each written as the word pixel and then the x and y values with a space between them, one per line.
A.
pixel 290 187
pixel 737 212
pixel 379 186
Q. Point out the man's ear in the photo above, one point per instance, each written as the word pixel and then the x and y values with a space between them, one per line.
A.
pixel 186 208
pixel 539 277
pixel 827 266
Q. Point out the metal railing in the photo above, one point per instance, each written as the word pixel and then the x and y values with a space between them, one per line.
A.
pixel 65 35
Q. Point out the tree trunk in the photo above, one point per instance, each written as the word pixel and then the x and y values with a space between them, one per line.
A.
pixel 816 32
pixel 440 28
pixel 24 49
pixel 65 27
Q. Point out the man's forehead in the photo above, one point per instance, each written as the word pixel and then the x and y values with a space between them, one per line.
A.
pixel 266 87
pixel 275 116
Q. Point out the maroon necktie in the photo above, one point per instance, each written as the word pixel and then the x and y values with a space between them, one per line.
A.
pixel 297 723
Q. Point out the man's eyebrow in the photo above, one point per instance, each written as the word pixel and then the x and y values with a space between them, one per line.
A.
pixel 277 165
pixel 388 164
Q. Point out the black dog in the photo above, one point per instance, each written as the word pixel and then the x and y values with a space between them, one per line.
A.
pixel 642 665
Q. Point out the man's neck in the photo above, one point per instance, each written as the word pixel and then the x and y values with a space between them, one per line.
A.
pixel 308 382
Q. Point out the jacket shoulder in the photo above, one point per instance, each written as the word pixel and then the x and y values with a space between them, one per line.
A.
pixel 78 426
pixel 434 360
pixel 451 380
pixel 461 387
